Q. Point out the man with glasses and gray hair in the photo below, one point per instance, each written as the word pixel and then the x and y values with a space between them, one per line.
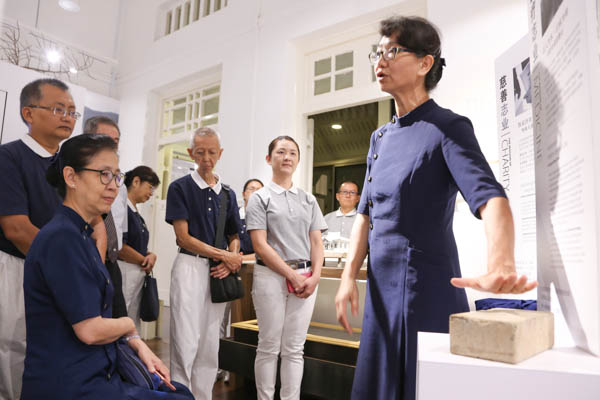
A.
pixel 27 203
pixel 193 206
pixel 116 220
pixel 343 218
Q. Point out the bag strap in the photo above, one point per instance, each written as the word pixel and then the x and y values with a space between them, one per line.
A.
pixel 221 219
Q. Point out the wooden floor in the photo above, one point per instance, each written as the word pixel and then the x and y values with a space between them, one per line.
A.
pixel 221 390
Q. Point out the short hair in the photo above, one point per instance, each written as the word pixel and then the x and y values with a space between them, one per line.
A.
pixel 146 174
pixel 420 36
pixel 91 124
pixel 76 153
pixel 204 132
pixel 352 182
pixel 33 92
pixel 249 181
pixel 279 139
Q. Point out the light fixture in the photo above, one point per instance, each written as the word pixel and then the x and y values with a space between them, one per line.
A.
pixel 336 126
pixel 73 70
pixel 70 5
pixel 53 56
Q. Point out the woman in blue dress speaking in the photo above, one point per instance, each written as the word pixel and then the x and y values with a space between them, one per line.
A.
pixel 415 166
pixel 71 351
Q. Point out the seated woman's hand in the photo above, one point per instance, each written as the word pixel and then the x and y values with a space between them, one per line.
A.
pixel 153 363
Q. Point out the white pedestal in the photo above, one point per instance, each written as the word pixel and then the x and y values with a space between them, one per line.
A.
pixel 560 373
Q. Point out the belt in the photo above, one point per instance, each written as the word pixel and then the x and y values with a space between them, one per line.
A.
pixel 189 253
pixel 295 264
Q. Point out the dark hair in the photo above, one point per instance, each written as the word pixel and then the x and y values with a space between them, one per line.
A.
pixel 146 174
pixel 250 181
pixel 418 35
pixel 91 124
pixel 352 182
pixel 32 92
pixel 279 139
pixel 76 153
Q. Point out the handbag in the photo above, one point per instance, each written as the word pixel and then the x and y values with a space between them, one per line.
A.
pixel 132 369
pixel 149 306
pixel 231 287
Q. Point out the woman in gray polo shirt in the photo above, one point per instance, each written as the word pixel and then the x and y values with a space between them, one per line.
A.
pixel 285 225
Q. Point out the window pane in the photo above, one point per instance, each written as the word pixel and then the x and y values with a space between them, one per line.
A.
pixel 210 121
pixel 322 66
pixel 210 106
pixel 206 10
pixel 168 23
pixel 186 14
pixel 177 18
pixel 196 110
pixel 343 81
pixel 322 86
pixel 178 101
pixel 345 60
pixel 196 10
pixel 178 130
pixel 217 5
pixel 212 90
pixel 178 115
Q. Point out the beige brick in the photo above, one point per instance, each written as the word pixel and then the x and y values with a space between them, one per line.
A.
pixel 500 334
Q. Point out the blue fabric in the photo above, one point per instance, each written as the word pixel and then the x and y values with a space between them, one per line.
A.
pixel 245 242
pixel 137 235
pixel 65 282
pixel 200 208
pixel 486 304
pixel 415 166
pixel 25 190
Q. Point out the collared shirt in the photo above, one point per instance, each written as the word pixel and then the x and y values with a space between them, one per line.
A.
pixel 337 221
pixel 192 199
pixel 288 216
pixel 137 235
pixel 119 213
pixel 23 186
pixel 65 283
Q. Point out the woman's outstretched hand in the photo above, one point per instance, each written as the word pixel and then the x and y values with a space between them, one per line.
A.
pixel 496 282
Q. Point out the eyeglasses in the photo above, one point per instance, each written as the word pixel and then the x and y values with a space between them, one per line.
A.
pixel 107 175
pixel 347 193
pixel 387 55
pixel 59 111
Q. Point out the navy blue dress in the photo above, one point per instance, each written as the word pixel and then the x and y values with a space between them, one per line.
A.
pixel 415 167
pixel 65 283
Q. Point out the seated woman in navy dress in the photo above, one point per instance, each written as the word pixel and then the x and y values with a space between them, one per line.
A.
pixel 71 336
pixel 415 166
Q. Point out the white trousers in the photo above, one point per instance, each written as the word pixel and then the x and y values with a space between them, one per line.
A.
pixel 133 282
pixel 12 326
pixel 283 321
pixel 195 323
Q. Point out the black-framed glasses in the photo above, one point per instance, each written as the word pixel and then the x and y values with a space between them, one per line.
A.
pixel 106 175
pixel 387 55
pixel 62 112
pixel 347 193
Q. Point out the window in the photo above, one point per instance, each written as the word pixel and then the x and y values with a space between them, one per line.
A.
pixel 342 73
pixel 179 14
pixel 187 112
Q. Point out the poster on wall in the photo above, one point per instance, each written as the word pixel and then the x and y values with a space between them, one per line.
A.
pixel 515 150
pixel 565 98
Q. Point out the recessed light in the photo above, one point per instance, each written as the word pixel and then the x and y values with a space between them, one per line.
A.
pixel 73 70
pixel 336 126
pixel 69 5
pixel 53 56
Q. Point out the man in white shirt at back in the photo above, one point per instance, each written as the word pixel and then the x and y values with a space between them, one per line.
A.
pixel 342 220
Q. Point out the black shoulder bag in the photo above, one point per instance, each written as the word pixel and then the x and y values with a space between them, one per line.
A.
pixel 229 288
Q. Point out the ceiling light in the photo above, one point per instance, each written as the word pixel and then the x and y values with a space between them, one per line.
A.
pixel 336 126
pixel 53 56
pixel 73 70
pixel 69 5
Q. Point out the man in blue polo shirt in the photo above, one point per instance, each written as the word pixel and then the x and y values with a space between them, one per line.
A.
pixel 193 204
pixel 27 203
